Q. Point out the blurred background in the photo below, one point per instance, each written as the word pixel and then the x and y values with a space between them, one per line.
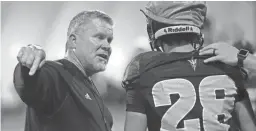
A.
pixel 46 24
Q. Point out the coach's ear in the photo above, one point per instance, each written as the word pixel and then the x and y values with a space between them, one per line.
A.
pixel 71 43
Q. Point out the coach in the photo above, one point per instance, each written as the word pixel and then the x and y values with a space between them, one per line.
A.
pixel 60 96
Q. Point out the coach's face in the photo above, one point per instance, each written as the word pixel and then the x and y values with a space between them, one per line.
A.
pixel 93 45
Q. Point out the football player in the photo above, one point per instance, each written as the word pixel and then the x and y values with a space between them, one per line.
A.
pixel 171 89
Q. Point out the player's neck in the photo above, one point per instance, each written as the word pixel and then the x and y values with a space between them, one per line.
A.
pixel 179 48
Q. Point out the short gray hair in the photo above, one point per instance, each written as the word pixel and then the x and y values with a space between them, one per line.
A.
pixel 85 17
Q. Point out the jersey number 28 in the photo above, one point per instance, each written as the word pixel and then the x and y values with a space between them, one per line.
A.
pixel 212 107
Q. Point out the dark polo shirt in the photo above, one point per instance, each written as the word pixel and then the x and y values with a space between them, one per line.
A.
pixel 52 104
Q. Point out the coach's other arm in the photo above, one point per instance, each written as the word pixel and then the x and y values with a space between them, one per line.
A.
pixel 228 54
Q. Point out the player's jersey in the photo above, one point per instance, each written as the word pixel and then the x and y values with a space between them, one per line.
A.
pixel 178 93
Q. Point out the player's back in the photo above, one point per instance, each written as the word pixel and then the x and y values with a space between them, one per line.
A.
pixel 185 94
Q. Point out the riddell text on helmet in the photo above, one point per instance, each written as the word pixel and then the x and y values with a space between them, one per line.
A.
pixel 178 29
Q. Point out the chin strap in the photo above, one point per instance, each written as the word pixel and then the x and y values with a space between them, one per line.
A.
pixel 200 42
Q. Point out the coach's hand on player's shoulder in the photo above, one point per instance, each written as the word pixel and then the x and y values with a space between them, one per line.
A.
pixel 221 51
pixel 32 56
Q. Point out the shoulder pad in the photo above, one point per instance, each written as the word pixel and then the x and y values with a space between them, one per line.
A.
pixel 132 71
pixel 136 66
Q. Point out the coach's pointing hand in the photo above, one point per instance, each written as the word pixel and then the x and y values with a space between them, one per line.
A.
pixel 31 56
pixel 223 52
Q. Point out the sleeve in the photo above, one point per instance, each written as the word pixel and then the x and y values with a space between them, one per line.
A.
pixel 135 101
pixel 239 80
pixel 243 113
pixel 242 94
pixel 238 77
pixel 40 91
